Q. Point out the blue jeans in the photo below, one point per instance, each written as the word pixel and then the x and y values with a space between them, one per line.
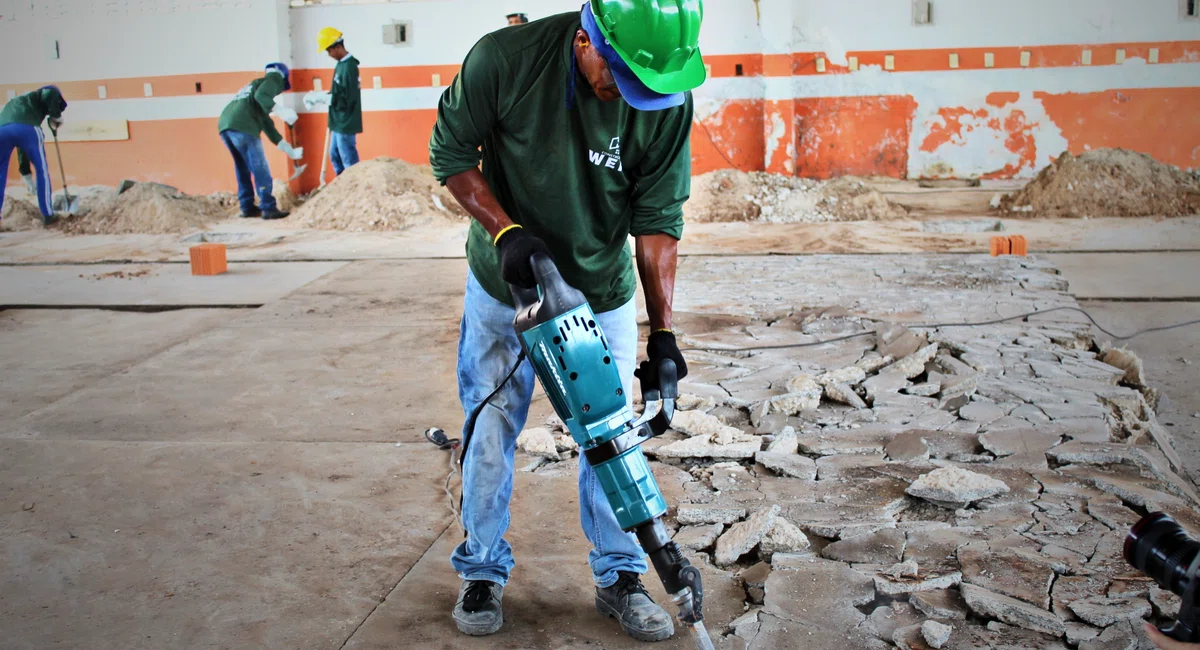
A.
pixel 343 151
pixel 249 158
pixel 29 140
pixel 487 349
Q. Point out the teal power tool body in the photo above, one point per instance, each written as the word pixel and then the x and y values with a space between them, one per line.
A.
pixel 572 360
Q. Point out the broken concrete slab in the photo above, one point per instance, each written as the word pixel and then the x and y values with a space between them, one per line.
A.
pixel 913 364
pixel 850 376
pixel 981 412
pixel 705 425
pixel 1000 570
pixel 700 447
pixel 884 383
pixel 1166 604
pixel 1102 611
pixel 907 446
pixel 890 586
pixel 955 487
pixel 847 441
pixel 693 514
pixel 990 604
pixel 844 394
pixel 936 634
pixel 785 464
pixel 698 538
pixel 538 441
pixel 742 537
pixel 943 604
pixel 817 593
pixel 1078 633
pixel 896 341
pixel 785 442
pixel 881 547
pixel 784 537
pixel 843 465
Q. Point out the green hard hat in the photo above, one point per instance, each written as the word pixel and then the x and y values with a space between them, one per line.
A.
pixel 658 39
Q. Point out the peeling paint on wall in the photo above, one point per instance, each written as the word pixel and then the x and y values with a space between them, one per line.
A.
pixel 1002 135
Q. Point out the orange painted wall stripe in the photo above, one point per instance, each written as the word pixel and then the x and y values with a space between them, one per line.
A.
pixel 723 66
pixel 213 83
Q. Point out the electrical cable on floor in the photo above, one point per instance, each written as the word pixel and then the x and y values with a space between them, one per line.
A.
pixel 997 321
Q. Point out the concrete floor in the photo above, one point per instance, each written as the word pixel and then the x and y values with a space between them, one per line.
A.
pixel 232 478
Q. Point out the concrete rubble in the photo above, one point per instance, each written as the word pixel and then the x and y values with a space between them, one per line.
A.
pixel 917 487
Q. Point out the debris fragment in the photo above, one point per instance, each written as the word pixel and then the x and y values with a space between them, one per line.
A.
pixel 744 536
pixel 952 487
pixel 936 634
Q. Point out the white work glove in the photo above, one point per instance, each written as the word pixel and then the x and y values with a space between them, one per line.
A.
pixel 29 185
pixel 315 98
pixel 55 123
pixel 290 151
pixel 286 114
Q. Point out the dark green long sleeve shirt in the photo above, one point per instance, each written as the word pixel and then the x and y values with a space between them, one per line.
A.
pixel 34 107
pixel 582 178
pixel 250 110
pixel 345 104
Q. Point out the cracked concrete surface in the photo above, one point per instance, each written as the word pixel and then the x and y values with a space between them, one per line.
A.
pixel 195 482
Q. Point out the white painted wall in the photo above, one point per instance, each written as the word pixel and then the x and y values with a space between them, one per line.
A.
pixel 887 24
pixel 129 38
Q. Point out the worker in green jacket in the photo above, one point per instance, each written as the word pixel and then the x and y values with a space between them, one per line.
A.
pixel 242 124
pixel 583 122
pixel 344 101
pixel 20 129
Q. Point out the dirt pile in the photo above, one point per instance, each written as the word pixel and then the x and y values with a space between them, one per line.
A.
pixel 19 215
pixel 731 195
pixel 1107 183
pixel 149 208
pixel 380 194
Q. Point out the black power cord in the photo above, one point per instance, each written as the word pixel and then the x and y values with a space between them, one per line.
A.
pixel 997 321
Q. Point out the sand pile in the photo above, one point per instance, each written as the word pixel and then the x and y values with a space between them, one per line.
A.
pixel 1107 183
pixel 19 215
pixel 731 195
pixel 380 194
pixel 145 208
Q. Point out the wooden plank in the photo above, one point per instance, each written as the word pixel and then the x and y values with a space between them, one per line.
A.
pixel 90 131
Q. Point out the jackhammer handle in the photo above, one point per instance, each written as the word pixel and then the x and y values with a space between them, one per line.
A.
pixel 668 379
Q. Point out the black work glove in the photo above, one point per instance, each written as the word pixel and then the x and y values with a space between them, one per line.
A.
pixel 516 247
pixel 661 345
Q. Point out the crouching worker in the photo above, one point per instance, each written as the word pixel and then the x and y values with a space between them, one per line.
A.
pixel 242 123
pixel 20 128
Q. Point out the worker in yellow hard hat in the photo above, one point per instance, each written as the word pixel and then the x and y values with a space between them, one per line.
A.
pixel 344 101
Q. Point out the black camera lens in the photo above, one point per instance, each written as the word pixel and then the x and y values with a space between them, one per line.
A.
pixel 1160 548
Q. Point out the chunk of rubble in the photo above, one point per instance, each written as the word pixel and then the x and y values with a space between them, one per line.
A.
pixel 953 487
pixel 784 537
pixel 847 465
pixel 818 594
pixel 914 364
pixel 744 536
pixel 784 464
pixel 1078 633
pixel 896 340
pixel 698 538
pixel 705 425
pixel 693 514
pixel 883 384
pixel 565 444
pixel 745 446
pixel 844 394
pixel 909 638
pixel 873 361
pixel 1025 448
pixel 881 547
pixel 1126 360
pixel 927 389
pixel 990 604
pixel 926 582
pixel 854 441
pixel 885 620
pixel 944 604
pixel 850 375
pixel 905 569
pixel 785 442
pixel 982 412
pixel 538 441
pixel 691 402
pixel 936 634
pixel 1102 611
pixel 1119 636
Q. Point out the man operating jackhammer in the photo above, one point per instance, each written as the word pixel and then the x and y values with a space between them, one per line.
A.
pixel 583 120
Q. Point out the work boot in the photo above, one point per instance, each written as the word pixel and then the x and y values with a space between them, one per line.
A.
pixel 478 612
pixel 251 213
pixel 627 601
pixel 274 214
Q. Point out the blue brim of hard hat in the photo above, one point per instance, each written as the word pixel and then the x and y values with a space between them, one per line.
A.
pixel 632 89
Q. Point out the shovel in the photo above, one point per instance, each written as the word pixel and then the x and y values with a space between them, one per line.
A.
pixel 71 207
pixel 300 168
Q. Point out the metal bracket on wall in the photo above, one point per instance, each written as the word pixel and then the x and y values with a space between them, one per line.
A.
pixel 922 12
